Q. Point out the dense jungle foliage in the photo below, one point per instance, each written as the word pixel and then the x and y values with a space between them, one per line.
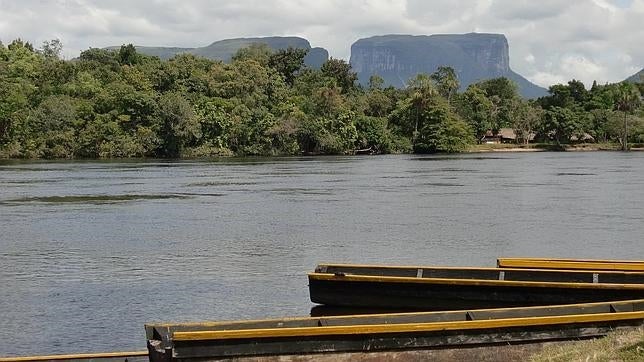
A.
pixel 109 104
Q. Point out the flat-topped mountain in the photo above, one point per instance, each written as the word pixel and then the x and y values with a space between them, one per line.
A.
pixel 474 57
pixel 637 77
pixel 224 49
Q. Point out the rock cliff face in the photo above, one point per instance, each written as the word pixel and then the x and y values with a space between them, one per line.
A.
pixel 474 57
pixel 225 49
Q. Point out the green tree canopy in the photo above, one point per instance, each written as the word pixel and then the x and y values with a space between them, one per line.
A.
pixel 446 81
pixel 340 70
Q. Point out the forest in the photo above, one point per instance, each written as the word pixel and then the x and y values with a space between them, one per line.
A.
pixel 120 104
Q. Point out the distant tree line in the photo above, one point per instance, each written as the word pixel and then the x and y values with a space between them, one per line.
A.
pixel 109 104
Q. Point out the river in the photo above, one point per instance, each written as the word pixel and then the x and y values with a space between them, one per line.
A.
pixel 92 250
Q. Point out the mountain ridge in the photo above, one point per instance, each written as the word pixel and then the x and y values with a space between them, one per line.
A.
pixel 474 57
pixel 224 49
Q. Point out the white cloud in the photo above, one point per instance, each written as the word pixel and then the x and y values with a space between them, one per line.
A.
pixel 548 78
pixel 550 40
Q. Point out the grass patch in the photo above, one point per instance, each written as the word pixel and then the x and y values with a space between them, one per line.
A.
pixel 623 345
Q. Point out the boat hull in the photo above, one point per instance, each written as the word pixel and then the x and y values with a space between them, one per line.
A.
pixel 429 296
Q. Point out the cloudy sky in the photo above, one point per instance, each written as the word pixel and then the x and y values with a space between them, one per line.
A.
pixel 551 41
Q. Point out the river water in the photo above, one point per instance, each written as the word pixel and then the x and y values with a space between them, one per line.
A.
pixel 90 251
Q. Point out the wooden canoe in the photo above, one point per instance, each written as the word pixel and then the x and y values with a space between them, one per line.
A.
pixel 377 332
pixel 448 288
pixel 572 264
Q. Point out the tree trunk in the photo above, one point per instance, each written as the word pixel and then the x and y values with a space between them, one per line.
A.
pixel 625 143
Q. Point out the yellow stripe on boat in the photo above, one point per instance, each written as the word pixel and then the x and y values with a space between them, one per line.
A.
pixel 405 327
pixel 536 269
pixel 62 357
pixel 480 282
pixel 572 264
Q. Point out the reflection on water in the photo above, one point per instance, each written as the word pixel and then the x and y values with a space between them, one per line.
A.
pixel 94 198
pixel 90 251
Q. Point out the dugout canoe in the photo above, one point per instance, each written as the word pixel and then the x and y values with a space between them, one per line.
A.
pixel 572 264
pixel 380 332
pixel 448 288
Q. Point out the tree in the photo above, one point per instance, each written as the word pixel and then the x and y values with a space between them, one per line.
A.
pixel 573 94
pixel 577 91
pixel 528 120
pixel 127 55
pixel 501 87
pixel 179 125
pixel 379 104
pixel 476 108
pixel 561 124
pixel 422 90
pixel 328 101
pixel 503 94
pixel 258 52
pixel 429 119
pixel 442 130
pixel 19 43
pixel 52 48
pixel 340 70
pixel 288 62
pixel 446 81
pixel 376 82
pixel 628 99
pixel 600 97
pixel 373 135
pixel 187 74
pixel 103 64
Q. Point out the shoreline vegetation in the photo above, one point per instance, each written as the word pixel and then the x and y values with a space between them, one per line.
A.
pixel 121 104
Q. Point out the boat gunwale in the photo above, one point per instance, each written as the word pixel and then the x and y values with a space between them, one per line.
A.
pixel 475 282
pixel 405 327
pixel 563 271
pixel 608 261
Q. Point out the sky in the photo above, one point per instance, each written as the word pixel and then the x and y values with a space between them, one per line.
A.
pixel 551 41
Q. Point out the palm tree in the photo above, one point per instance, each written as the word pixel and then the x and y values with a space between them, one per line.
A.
pixel 423 90
pixel 446 81
pixel 628 99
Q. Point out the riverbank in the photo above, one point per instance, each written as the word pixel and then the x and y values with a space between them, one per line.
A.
pixel 480 148
pixel 624 345
pixel 546 147
pixel 492 353
pixel 627 345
